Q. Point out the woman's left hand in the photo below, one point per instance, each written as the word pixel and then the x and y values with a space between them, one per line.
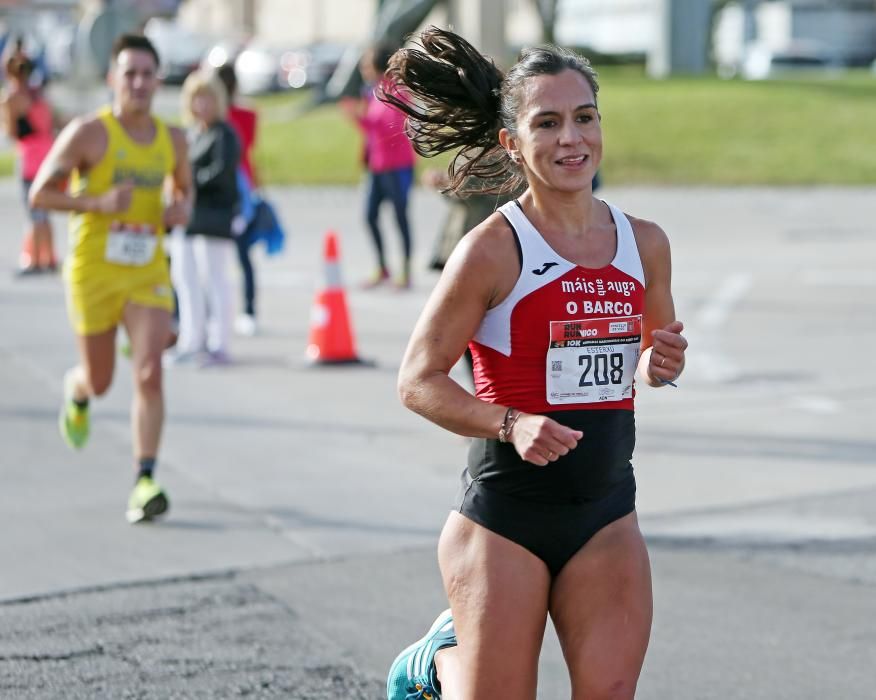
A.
pixel 176 214
pixel 667 352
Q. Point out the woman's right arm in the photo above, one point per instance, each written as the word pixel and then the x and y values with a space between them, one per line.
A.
pixel 450 318
pixel 478 274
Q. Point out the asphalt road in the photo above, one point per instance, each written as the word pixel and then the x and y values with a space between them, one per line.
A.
pixel 298 556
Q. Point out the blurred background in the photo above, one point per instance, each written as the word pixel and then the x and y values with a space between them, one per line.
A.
pixel 741 126
pixel 694 91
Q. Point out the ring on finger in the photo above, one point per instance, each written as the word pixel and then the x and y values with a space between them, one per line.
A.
pixel 663 361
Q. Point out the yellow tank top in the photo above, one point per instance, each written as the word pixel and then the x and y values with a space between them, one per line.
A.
pixel 125 160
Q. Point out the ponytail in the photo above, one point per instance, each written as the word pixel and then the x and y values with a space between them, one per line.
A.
pixel 456 98
pixel 451 94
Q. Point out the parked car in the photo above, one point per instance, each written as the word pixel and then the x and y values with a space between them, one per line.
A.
pixel 181 49
pixel 224 51
pixel 312 65
pixel 265 68
pixel 762 63
pixel 258 69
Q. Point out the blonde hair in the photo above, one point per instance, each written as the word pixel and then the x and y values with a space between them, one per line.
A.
pixel 202 81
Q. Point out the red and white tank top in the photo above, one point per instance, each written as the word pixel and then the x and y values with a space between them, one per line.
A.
pixel 567 337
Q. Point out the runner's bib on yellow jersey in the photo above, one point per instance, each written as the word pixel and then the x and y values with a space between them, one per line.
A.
pixel 131 238
pixel 130 244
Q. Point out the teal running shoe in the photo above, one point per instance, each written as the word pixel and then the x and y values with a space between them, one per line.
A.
pixel 147 501
pixel 412 675
pixel 74 421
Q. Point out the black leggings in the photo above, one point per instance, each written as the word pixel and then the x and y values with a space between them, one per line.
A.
pixel 244 243
pixel 394 185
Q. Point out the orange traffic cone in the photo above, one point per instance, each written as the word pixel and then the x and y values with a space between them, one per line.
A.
pixel 331 337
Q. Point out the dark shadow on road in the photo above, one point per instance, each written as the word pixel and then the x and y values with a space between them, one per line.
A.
pixel 707 445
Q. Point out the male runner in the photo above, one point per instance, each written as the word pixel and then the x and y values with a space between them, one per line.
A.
pixel 130 181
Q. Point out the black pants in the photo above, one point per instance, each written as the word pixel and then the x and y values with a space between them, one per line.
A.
pixel 394 185
pixel 244 243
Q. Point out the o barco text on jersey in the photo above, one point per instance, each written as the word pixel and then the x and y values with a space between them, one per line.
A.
pixel 599 287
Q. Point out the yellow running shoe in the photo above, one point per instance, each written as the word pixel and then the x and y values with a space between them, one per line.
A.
pixel 74 421
pixel 146 502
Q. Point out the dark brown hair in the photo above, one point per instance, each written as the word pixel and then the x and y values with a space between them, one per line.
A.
pixel 456 98
pixel 380 56
pixel 228 77
pixel 134 42
pixel 18 66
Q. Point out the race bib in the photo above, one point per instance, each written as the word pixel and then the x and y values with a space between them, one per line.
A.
pixel 131 244
pixel 592 360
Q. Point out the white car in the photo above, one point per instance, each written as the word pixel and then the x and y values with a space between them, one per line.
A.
pixel 180 49
pixel 259 69
pixel 762 63
pixel 267 68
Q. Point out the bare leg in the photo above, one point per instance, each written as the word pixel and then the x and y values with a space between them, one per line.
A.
pixel 97 357
pixel 498 594
pixel 27 256
pixel 43 250
pixel 601 607
pixel 148 328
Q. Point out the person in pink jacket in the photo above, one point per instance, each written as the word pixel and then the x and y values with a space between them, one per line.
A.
pixel 389 159
pixel 28 121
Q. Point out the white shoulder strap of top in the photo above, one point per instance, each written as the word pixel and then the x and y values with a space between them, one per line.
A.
pixel 511 211
pixel 531 242
pixel 627 258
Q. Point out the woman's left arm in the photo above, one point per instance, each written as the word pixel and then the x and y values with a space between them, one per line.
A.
pixel 663 346
pixel 211 166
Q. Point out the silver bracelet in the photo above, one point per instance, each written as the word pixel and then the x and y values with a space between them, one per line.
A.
pixel 507 424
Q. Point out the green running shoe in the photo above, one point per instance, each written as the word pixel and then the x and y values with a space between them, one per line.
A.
pixel 412 675
pixel 74 421
pixel 146 502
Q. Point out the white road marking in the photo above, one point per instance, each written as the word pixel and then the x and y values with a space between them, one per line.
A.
pixel 707 360
pixel 716 310
pixel 821 405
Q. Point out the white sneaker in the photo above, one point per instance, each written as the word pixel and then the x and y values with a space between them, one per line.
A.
pixel 245 325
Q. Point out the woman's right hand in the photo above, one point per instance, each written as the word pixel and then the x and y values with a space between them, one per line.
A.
pixel 541 440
